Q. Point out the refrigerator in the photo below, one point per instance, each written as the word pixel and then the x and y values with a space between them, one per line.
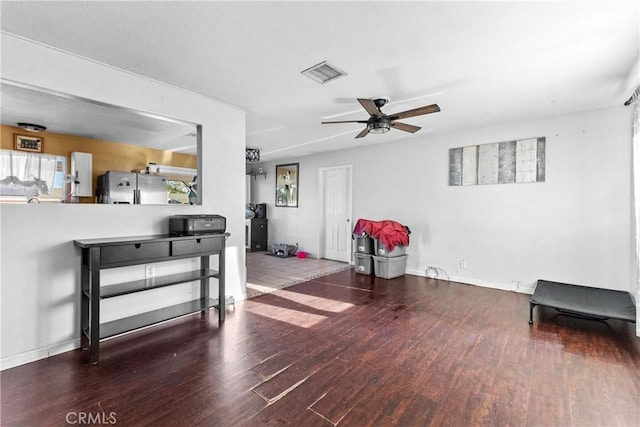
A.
pixel 132 188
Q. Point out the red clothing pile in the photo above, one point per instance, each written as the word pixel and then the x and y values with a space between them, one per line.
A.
pixel 389 233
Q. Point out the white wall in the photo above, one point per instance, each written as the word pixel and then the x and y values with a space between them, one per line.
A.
pixel 573 228
pixel 635 231
pixel 40 267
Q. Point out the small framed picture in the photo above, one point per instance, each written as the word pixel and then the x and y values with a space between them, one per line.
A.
pixel 287 185
pixel 28 143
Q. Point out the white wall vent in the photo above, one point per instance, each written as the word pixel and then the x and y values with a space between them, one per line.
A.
pixel 324 72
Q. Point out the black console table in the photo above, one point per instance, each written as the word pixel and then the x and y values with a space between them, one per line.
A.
pixel 100 254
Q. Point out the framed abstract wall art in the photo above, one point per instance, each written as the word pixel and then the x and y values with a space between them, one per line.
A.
pixel 518 161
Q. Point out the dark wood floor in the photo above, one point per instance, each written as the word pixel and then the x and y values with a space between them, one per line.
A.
pixel 348 350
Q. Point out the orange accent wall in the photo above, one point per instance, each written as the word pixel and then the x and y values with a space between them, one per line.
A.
pixel 106 155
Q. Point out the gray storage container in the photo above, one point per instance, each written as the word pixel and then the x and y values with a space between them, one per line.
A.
pixel 284 250
pixel 381 250
pixel 363 263
pixel 389 268
pixel 364 243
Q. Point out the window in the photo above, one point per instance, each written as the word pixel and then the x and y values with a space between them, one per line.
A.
pixel 182 183
pixel 31 177
pixel 180 192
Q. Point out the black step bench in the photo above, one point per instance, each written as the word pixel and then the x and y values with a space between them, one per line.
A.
pixel 583 301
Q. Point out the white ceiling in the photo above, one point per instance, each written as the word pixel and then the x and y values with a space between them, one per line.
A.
pixel 483 63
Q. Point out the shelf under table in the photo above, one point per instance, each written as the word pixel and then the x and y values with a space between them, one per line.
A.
pixel 141 320
pixel 154 282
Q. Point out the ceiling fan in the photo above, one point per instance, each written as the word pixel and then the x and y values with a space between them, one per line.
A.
pixel 382 123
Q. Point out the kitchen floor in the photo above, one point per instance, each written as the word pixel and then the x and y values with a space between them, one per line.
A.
pixel 266 273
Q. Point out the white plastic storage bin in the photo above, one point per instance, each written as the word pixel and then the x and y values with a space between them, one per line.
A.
pixel 364 243
pixel 381 250
pixel 363 263
pixel 389 268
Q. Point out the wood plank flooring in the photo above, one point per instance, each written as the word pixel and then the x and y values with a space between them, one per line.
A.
pixel 348 350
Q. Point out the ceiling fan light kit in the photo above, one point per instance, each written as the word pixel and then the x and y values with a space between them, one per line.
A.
pixel 382 123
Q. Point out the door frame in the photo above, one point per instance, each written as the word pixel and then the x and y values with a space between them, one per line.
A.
pixel 321 206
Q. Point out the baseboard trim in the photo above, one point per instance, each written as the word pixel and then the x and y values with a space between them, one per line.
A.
pixel 476 282
pixel 38 354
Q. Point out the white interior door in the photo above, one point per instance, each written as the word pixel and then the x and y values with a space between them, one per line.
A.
pixel 335 234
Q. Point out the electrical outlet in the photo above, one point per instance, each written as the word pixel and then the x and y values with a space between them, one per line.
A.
pixel 463 264
pixel 150 271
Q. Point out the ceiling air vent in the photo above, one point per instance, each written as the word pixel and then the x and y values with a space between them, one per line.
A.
pixel 324 72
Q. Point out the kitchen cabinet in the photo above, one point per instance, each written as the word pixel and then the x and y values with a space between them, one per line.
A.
pixel 82 171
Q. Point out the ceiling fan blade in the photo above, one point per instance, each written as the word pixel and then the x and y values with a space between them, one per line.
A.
pixel 405 127
pixel 362 134
pixel 427 109
pixel 346 121
pixel 370 106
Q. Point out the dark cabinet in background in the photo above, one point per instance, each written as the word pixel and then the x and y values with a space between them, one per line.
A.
pixel 257 234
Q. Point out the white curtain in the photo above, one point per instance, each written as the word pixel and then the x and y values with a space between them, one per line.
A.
pixel 28 170
pixel 636 208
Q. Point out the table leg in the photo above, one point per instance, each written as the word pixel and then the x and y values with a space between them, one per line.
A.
pixel 94 309
pixel 221 286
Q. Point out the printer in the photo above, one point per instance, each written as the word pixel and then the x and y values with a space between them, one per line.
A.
pixel 190 225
